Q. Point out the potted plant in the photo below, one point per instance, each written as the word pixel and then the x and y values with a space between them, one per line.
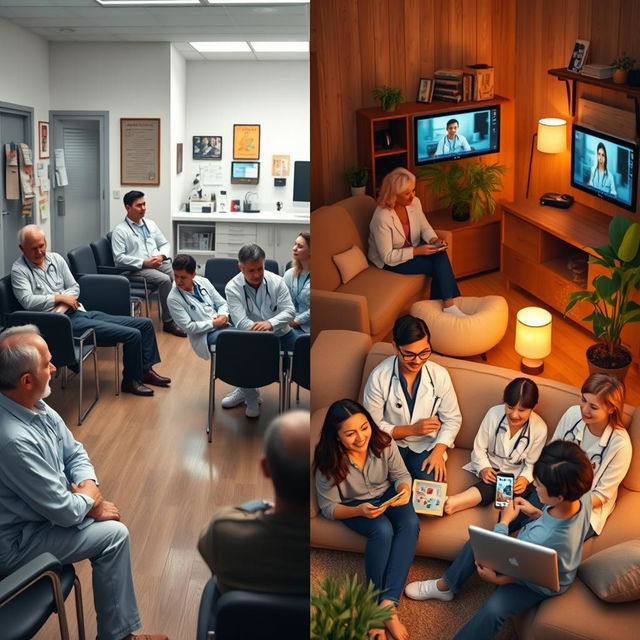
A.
pixel 610 297
pixel 388 97
pixel 467 188
pixel 357 177
pixel 344 610
pixel 622 66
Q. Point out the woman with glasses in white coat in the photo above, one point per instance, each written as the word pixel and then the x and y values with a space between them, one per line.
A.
pixel 414 401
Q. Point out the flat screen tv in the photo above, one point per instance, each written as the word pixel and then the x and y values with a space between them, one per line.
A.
pixel 456 134
pixel 604 166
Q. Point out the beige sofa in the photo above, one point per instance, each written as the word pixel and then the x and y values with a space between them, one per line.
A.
pixel 370 302
pixel 341 362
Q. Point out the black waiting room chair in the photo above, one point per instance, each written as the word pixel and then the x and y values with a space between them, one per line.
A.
pixel 220 270
pixel 35 591
pixel 299 370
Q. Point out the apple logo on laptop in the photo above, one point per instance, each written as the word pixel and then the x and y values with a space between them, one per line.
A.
pixel 514 562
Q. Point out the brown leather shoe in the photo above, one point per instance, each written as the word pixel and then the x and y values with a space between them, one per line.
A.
pixel 136 388
pixel 172 327
pixel 152 377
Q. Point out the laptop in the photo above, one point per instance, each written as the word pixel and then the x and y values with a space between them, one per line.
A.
pixel 515 558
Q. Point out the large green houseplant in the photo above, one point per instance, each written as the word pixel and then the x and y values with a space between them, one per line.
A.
pixel 345 610
pixel 467 188
pixel 611 295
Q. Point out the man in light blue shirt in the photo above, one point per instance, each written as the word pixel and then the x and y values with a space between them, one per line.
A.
pixel 453 142
pixel 49 495
pixel 258 301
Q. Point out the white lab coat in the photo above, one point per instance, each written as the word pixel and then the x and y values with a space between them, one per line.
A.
pixel 457 145
pixel 616 458
pixel 384 384
pixel 387 239
pixel 194 317
pixel 130 250
pixel 603 181
pixel 496 452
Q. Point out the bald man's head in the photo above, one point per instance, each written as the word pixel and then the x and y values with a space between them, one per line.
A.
pixel 33 243
pixel 286 450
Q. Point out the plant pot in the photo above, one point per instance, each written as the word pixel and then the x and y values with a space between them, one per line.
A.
pixel 619 76
pixel 389 108
pixel 461 211
pixel 358 191
pixel 599 362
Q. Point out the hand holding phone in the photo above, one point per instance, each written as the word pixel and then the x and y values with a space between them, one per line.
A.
pixel 438 243
pixel 504 489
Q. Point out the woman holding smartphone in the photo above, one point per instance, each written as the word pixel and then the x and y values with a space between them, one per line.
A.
pixel 361 480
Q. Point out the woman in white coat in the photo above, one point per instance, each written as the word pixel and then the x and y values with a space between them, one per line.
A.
pixel 414 401
pixel 298 281
pixel 196 307
pixel 401 240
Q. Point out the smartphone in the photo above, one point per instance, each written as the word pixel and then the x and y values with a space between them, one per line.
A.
pixel 504 489
pixel 438 244
pixel 389 501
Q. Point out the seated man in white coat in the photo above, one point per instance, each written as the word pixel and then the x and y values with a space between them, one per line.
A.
pixel 49 495
pixel 258 301
pixel 139 246
pixel 197 308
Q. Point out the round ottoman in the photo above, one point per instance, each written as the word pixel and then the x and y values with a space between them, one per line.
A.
pixel 480 330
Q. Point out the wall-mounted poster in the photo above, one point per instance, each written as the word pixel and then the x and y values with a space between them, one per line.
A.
pixel 43 139
pixel 280 166
pixel 207 147
pixel 140 151
pixel 246 141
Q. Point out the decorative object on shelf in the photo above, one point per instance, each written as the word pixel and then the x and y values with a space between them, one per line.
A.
pixel 179 157
pixel 579 55
pixel 611 297
pixel 467 188
pixel 425 90
pixel 388 97
pixel 196 190
pixel 552 138
pixel 43 140
pixel 207 147
pixel 348 600
pixel 250 204
pixel 533 338
pixel 357 177
pixel 483 80
pixel 599 71
pixel 280 165
pixel 622 66
pixel 140 151
pixel 246 141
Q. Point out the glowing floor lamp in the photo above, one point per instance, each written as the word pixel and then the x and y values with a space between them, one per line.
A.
pixel 552 138
pixel 533 338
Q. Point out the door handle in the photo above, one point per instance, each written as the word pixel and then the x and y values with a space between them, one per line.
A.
pixel 60 205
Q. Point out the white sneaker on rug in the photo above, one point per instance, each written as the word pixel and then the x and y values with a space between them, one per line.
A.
pixel 253 408
pixel 233 399
pixel 427 590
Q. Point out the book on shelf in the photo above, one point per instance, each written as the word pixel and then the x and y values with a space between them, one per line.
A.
pixel 449 74
pixel 601 71
pixel 449 90
pixel 467 87
pixel 483 81
pixel 448 83
pixel 428 497
pixel 442 98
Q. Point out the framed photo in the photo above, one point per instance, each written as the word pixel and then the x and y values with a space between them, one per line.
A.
pixel 179 157
pixel 207 147
pixel 425 90
pixel 428 497
pixel 245 172
pixel 246 141
pixel 579 55
pixel 43 140
pixel 140 151
pixel 280 166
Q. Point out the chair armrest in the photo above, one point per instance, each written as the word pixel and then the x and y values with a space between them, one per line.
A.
pixel 116 271
pixel 334 310
pixel 82 338
pixel 25 575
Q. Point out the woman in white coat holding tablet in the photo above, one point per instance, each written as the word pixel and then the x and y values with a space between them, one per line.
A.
pixel 196 307
pixel 401 240
pixel 414 401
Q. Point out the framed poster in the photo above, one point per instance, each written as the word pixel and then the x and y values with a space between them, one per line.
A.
pixel 280 166
pixel 207 147
pixel 140 151
pixel 43 139
pixel 246 141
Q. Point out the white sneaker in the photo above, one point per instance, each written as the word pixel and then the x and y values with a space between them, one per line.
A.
pixel 253 408
pixel 454 310
pixel 233 399
pixel 427 590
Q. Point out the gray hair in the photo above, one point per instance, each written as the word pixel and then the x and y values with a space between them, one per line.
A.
pixel 26 230
pixel 250 253
pixel 17 359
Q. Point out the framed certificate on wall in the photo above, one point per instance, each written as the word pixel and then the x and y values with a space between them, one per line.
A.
pixel 246 141
pixel 140 151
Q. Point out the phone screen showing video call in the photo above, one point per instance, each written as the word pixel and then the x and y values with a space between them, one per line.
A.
pixel 504 490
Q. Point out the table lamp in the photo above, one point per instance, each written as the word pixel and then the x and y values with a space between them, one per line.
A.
pixel 533 338
pixel 552 138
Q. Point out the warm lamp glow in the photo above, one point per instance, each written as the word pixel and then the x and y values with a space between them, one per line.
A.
pixel 533 338
pixel 552 135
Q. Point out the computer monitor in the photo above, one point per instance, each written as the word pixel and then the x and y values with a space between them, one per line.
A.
pixel 301 181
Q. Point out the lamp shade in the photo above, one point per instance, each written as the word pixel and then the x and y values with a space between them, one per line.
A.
pixel 552 135
pixel 533 333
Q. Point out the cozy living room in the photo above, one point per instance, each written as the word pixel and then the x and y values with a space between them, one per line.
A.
pixel 521 141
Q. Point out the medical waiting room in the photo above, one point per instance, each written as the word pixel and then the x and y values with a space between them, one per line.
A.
pixel 198 113
pixel 480 159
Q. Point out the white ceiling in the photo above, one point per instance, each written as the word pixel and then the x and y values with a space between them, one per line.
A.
pixel 87 21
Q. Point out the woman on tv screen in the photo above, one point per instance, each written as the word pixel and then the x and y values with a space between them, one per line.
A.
pixel 600 177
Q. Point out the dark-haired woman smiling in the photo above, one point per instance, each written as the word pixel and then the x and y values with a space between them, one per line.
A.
pixel 358 470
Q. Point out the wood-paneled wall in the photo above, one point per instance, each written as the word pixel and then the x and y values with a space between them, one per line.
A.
pixel 358 45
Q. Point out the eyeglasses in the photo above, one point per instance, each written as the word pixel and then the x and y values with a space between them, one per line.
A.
pixel 408 357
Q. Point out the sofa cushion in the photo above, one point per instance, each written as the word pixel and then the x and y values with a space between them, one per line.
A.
pixel 614 574
pixel 388 294
pixel 360 209
pixel 350 263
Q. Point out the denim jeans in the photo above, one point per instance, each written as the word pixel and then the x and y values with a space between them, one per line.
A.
pixel 437 266
pixel 413 461
pixel 391 544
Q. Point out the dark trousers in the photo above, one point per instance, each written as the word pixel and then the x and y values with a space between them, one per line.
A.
pixel 391 544
pixel 137 335
pixel 413 461
pixel 437 266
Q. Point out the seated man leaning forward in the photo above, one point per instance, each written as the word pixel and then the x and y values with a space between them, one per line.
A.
pixel 197 308
pixel 263 547
pixel 42 281
pixel 258 301
pixel 49 496
pixel 139 246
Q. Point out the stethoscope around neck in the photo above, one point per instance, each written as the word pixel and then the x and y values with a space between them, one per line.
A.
pixel 51 268
pixel 247 297
pixel 522 438
pixel 398 404
pixel 201 291
pixel 135 233
pixel 597 458
pixel 605 174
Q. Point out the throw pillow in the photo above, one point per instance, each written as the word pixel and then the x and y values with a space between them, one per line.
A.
pixel 350 263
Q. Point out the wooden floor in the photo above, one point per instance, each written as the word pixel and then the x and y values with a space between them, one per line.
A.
pixel 153 460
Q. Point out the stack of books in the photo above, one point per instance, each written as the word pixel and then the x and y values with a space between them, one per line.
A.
pixel 600 71
pixel 448 85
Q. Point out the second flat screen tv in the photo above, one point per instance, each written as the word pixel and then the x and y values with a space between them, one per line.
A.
pixel 456 134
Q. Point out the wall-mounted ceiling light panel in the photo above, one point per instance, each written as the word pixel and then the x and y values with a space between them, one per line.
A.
pixel 221 47
pixel 280 47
